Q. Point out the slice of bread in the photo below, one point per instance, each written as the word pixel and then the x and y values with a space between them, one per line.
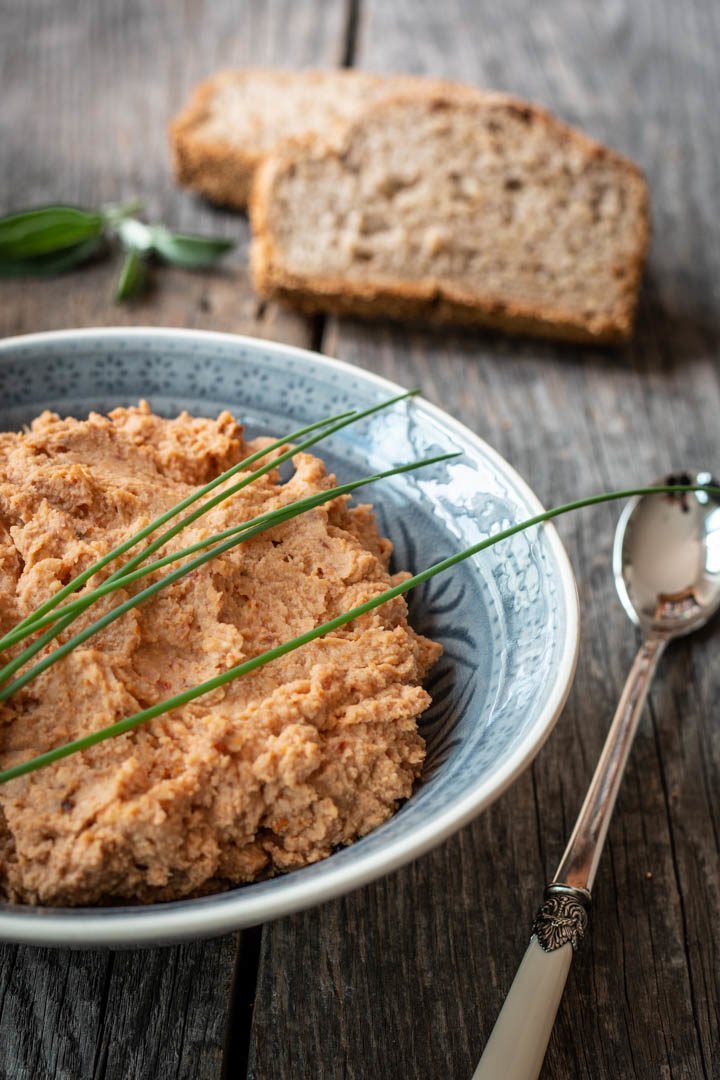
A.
pixel 235 118
pixel 480 210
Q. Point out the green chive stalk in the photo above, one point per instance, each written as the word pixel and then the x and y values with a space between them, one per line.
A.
pixel 177 701
pixel 160 541
pixel 234 537
pixel 271 518
pixel 156 523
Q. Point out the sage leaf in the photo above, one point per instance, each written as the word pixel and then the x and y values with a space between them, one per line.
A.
pixel 51 239
pixel 186 250
pixel 53 263
pixel 133 276
pixel 48 229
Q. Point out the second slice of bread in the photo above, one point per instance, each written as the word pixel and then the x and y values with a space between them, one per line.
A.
pixel 475 209
pixel 234 119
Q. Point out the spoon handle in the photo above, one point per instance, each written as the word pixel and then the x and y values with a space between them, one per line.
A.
pixel 517 1044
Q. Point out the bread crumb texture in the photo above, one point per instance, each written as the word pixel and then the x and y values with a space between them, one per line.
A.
pixel 234 119
pixel 475 208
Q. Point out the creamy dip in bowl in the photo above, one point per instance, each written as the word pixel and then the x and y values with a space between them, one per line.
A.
pixel 506 619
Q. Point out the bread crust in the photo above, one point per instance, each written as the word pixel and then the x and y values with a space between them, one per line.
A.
pixel 224 171
pixel 435 301
pixel 214 168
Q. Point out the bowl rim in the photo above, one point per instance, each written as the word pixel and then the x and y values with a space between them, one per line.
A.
pixel 184 920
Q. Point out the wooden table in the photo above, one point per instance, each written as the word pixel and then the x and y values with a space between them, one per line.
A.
pixel 404 978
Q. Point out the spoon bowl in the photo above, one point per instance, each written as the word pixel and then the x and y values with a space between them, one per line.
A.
pixel 666 561
pixel 666 558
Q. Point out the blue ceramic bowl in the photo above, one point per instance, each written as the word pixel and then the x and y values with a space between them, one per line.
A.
pixel 508 618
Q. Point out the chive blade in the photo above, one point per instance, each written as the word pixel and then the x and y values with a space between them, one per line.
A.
pixel 186 696
pixel 78 581
pixel 160 541
pixel 233 537
pixel 336 424
pixel 273 517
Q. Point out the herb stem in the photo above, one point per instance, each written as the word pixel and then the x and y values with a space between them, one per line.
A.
pixel 335 424
pixel 272 517
pixel 113 213
pixel 187 696
pixel 156 523
pixel 232 538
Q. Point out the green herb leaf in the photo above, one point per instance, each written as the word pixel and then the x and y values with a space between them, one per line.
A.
pixel 244 668
pixel 183 249
pixel 48 229
pixel 52 263
pixel 77 582
pixel 132 276
pixel 218 545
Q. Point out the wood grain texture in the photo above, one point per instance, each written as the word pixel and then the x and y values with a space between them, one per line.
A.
pixel 88 90
pixel 405 978
pixel 166 1011
pixel 151 1013
pixel 87 93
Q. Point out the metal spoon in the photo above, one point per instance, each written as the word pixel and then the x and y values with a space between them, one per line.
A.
pixel 666 561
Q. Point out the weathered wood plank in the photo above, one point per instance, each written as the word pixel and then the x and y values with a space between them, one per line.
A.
pixel 220 299
pixel 51 1012
pixel 154 1013
pixel 87 93
pixel 166 1011
pixel 406 977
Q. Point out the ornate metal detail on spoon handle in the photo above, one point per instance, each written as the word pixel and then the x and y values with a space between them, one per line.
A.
pixel 562 918
pixel 517 1044
pixel 672 596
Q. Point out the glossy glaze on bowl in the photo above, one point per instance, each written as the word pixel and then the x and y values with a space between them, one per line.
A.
pixel 507 619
